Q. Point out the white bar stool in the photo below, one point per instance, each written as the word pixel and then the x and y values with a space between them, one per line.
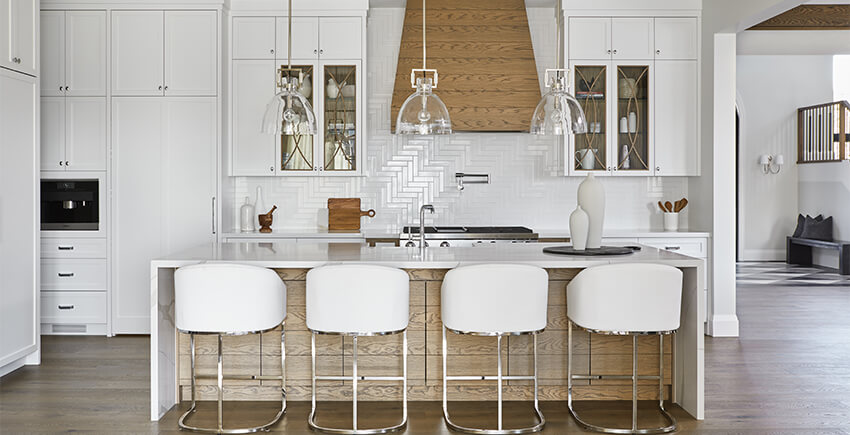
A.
pixel 358 300
pixel 625 299
pixel 230 299
pixel 494 300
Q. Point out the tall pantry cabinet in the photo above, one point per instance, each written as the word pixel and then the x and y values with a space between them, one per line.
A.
pixel 19 197
pixel 165 141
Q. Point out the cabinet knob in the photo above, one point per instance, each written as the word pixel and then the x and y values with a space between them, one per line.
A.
pixel 16 59
pixel 61 163
pixel 615 51
pixel 609 51
pixel 66 163
pixel 166 88
pixel 321 51
pixel 315 51
pixel 657 51
pixel 658 169
pixel 60 88
pixel 271 168
pixel 160 87
pixel 271 51
pixel 66 88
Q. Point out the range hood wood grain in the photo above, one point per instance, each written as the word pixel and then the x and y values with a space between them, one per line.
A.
pixel 482 50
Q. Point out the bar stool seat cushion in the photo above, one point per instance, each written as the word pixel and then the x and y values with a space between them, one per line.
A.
pixel 358 299
pixel 495 298
pixel 228 298
pixel 632 297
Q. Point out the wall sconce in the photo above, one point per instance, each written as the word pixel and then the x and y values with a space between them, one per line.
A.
pixel 770 164
pixel 462 179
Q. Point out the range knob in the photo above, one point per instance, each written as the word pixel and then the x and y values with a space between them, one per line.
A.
pixel 444 245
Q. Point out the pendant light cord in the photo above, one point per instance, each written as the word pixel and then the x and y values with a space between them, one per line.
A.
pixel 289 41
pixel 559 18
pixel 424 56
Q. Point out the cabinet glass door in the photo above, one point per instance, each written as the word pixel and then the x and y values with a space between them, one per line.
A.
pixel 633 118
pixel 296 151
pixel 590 151
pixel 340 117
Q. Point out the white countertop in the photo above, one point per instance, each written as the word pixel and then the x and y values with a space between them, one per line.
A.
pixel 309 233
pixel 309 255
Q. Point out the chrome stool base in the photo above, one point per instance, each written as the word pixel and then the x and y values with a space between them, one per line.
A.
pixel 220 377
pixel 354 378
pixel 672 425
pixel 498 378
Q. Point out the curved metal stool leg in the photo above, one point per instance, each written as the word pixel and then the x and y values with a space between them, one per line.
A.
pixel 311 420
pixel 499 378
pixel 671 426
pixel 220 377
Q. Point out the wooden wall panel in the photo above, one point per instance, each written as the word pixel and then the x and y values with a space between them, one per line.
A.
pixel 381 356
pixel 809 17
pixel 483 53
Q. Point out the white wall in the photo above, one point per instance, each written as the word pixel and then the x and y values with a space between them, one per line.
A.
pixel 405 172
pixel 825 189
pixel 770 89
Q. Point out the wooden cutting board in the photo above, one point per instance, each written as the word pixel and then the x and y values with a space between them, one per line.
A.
pixel 345 214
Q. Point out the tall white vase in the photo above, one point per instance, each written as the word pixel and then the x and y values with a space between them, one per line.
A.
pixel 591 198
pixel 578 228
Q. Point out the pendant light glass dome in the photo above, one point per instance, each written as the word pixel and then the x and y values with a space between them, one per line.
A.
pixel 289 112
pixel 423 112
pixel 558 112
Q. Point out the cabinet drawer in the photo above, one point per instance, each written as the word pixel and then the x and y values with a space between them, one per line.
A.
pixel 689 247
pixel 73 307
pixel 73 248
pixel 73 274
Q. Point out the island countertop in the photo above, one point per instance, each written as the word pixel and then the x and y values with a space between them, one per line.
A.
pixel 309 255
pixel 684 380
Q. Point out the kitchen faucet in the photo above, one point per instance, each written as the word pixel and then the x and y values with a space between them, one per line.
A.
pixel 422 243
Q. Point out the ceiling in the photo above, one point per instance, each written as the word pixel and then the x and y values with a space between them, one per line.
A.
pixel 403 3
pixel 809 17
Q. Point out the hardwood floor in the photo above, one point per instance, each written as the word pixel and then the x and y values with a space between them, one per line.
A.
pixel 788 373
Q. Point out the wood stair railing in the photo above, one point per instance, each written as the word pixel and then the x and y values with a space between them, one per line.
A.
pixel 823 133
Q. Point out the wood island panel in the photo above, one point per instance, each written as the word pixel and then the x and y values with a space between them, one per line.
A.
pixel 382 355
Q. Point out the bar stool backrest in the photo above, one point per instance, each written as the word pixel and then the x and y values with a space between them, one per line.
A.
pixel 357 298
pixel 495 298
pixel 632 297
pixel 228 298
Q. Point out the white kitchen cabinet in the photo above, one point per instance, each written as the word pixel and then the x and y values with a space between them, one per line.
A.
pixel 632 38
pixel 18 35
pixel 156 53
pixel 590 38
pixel 253 151
pixel 73 134
pixel 73 53
pixel 305 37
pixel 676 38
pixel 329 52
pixel 676 105
pixel 164 160
pixel 253 37
pixel 63 312
pixel 19 218
pixel 73 274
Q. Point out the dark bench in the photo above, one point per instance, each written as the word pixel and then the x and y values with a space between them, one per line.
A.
pixel 799 251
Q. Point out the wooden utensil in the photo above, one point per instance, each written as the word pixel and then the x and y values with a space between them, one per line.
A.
pixel 661 206
pixel 676 206
pixel 683 203
pixel 669 206
pixel 266 220
pixel 345 214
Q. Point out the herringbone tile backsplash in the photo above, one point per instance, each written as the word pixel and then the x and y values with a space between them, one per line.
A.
pixel 527 186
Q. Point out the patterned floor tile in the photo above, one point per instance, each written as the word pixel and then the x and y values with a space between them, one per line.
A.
pixel 788 275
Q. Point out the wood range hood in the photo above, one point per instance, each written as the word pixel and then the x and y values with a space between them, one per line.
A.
pixel 483 53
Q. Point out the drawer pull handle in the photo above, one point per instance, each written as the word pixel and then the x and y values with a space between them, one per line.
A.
pixel 66 248
pixel 672 248
pixel 66 275
pixel 66 307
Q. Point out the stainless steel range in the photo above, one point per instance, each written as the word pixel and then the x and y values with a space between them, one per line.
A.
pixel 458 236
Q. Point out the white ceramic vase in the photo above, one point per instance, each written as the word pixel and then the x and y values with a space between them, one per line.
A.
pixel 591 198
pixel 578 228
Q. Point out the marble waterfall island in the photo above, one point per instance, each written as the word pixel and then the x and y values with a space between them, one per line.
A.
pixel 684 360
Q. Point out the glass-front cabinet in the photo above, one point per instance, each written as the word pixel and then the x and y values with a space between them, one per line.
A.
pixel 334 90
pixel 616 98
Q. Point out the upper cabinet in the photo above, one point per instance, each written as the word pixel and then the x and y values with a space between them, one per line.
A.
pixel 327 52
pixel 636 79
pixel 73 53
pixel 18 27
pixel 156 53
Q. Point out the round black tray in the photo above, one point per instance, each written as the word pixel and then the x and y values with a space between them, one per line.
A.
pixel 604 250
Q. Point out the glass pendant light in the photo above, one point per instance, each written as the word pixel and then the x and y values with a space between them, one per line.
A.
pixel 423 112
pixel 289 112
pixel 558 112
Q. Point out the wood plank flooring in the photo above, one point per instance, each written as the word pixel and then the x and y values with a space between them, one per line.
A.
pixel 788 373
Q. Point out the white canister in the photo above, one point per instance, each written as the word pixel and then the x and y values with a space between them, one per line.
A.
pixel 632 122
pixel 671 221
pixel 624 125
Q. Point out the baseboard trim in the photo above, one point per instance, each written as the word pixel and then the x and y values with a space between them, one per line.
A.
pixel 725 325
